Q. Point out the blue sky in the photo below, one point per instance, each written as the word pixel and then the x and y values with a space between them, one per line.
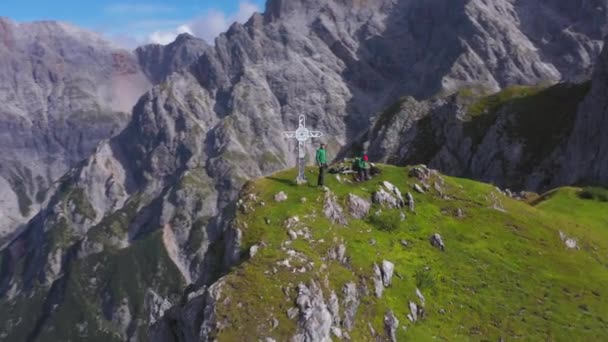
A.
pixel 131 23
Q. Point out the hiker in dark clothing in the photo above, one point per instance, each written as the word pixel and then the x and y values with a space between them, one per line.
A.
pixel 322 163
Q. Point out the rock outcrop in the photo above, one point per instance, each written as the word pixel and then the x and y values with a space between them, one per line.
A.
pixel 160 61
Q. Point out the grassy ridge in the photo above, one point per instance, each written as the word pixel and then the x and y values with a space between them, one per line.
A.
pixel 502 275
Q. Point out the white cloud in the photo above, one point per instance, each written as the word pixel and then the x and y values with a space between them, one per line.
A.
pixel 166 37
pixel 207 26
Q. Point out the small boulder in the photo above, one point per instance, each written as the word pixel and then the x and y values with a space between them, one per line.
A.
pixel 292 222
pixel 413 315
pixel 253 250
pixel 387 272
pixel 420 296
pixel 459 213
pixel 395 191
pixel 420 172
pixel 385 199
pixel 351 304
pixel 338 253
pixel 418 188
pixel 391 323
pixel 437 242
pixel 357 206
pixel 570 243
pixel 403 243
pixel 332 210
pixel 410 202
pixel 377 279
pixel 280 197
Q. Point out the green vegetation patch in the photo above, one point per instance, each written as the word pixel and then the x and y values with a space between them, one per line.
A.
pixel 109 278
pixel 594 193
pixel 504 273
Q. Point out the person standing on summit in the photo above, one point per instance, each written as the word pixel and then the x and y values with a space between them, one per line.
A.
pixel 322 163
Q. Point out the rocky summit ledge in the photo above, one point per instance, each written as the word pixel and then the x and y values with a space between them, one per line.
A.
pixel 412 255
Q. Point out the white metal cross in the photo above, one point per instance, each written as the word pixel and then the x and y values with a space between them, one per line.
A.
pixel 302 135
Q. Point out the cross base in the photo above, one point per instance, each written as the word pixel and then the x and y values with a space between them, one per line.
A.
pixel 301 179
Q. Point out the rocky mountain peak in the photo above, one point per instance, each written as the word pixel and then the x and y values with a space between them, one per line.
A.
pixel 160 61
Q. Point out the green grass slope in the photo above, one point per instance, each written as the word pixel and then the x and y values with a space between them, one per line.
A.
pixel 504 274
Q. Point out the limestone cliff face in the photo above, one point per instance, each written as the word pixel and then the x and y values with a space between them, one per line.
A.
pixel 65 90
pixel 585 156
pixel 166 181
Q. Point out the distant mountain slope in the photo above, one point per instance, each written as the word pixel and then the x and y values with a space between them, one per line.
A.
pixel 62 90
pixel 509 138
pixel 171 177
pixel 508 269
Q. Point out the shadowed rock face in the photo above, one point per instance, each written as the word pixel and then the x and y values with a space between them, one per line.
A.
pixel 196 138
pixel 585 156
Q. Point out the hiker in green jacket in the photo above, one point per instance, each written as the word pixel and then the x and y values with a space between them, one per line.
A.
pixel 322 164
pixel 361 168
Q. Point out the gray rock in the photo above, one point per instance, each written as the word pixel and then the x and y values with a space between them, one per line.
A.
pixel 385 199
pixel 377 280
pixel 411 203
pixel 334 309
pixel 338 253
pixel 357 206
pixel 315 319
pixel 280 197
pixel 570 243
pixel 292 313
pixel 403 243
pixel 391 324
pixel 413 315
pixel 420 297
pixel 253 250
pixel 337 332
pixel 332 210
pixel 395 191
pixel 387 272
pixel 351 304
pixel 418 188
pixel 459 213
pixel 437 242
pixel 292 222
pixel 156 306
pixel 422 173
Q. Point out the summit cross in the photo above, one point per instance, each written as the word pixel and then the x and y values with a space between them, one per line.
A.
pixel 302 135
